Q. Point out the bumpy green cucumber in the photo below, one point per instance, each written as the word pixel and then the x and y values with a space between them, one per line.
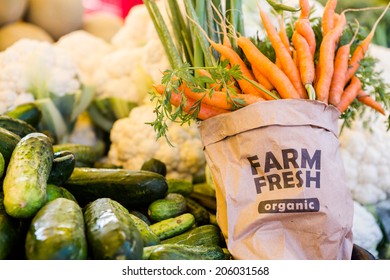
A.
pixel 202 216
pixel 183 252
pixel 173 226
pixel 172 205
pixel 209 202
pixel 155 165
pixel 85 155
pixel 111 231
pixel 28 112
pixel 2 165
pixel 206 235
pixel 182 186
pixel 148 236
pixel 57 232
pixel 16 126
pixel 8 142
pixel 53 192
pixel 62 167
pixel 10 232
pixel 131 188
pixel 27 174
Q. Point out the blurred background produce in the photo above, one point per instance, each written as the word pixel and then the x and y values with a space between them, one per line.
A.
pixel 111 47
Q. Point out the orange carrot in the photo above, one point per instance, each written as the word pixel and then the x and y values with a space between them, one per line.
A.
pixel 371 102
pixel 305 61
pixel 362 48
pixel 340 71
pixel 288 65
pixel 305 9
pixel 283 35
pixel 326 60
pixel 349 94
pixel 221 99
pixel 303 27
pixel 276 76
pixel 261 79
pixel 328 16
pixel 206 111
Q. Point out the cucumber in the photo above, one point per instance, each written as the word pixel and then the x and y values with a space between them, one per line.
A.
pixel 183 252
pixel 19 127
pixel 111 231
pixel 206 235
pixel 182 186
pixel 28 112
pixel 27 174
pixel 62 167
pixel 57 232
pixel 172 205
pixel 148 236
pixel 53 192
pixel 10 232
pixel 200 213
pixel 209 202
pixel 2 165
pixel 131 188
pixel 155 165
pixel 173 226
pixel 204 189
pixel 142 216
pixel 85 155
pixel 8 142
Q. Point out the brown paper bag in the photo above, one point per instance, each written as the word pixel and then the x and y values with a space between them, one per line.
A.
pixel 280 181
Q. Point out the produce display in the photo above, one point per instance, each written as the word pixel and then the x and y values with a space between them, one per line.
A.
pixel 100 147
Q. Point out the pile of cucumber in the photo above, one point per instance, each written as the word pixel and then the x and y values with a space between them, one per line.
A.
pixel 56 202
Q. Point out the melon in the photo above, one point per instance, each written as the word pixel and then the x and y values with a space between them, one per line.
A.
pixel 57 17
pixel 11 10
pixel 13 32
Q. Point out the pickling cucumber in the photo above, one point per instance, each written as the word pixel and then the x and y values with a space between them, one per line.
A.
pixel 8 142
pixel 173 226
pixel 28 112
pixel 172 205
pixel 19 127
pixel 53 192
pixel 148 236
pixel 181 186
pixel 57 232
pixel 111 231
pixel 206 235
pixel 183 252
pixel 62 167
pixel 131 188
pixel 202 216
pixel 85 155
pixel 26 178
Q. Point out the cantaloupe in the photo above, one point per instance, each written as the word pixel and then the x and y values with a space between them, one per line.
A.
pixel 102 24
pixel 57 17
pixel 11 10
pixel 12 32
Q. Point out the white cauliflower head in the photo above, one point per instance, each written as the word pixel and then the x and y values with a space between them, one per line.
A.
pixel 133 142
pixel 86 50
pixel 30 67
pixel 365 229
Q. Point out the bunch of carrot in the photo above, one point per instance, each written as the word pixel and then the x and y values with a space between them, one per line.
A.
pixel 298 72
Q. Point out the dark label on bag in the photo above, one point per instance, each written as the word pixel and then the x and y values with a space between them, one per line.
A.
pixel 289 205
pixel 290 168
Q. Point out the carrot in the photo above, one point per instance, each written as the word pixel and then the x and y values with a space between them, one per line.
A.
pixel 325 63
pixel 283 35
pixel 305 9
pixel 288 65
pixel 371 102
pixel 276 76
pixel 221 99
pixel 349 94
pixel 340 71
pixel 305 62
pixel 362 48
pixel 206 111
pixel 328 16
pixel 261 79
pixel 303 27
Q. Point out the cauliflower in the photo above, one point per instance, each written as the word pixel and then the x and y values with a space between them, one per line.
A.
pixel 86 50
pixel 133 142
pixel 365 229
pixel 30 68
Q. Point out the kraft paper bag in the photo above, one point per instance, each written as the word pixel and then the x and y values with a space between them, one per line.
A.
pixel 280 181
